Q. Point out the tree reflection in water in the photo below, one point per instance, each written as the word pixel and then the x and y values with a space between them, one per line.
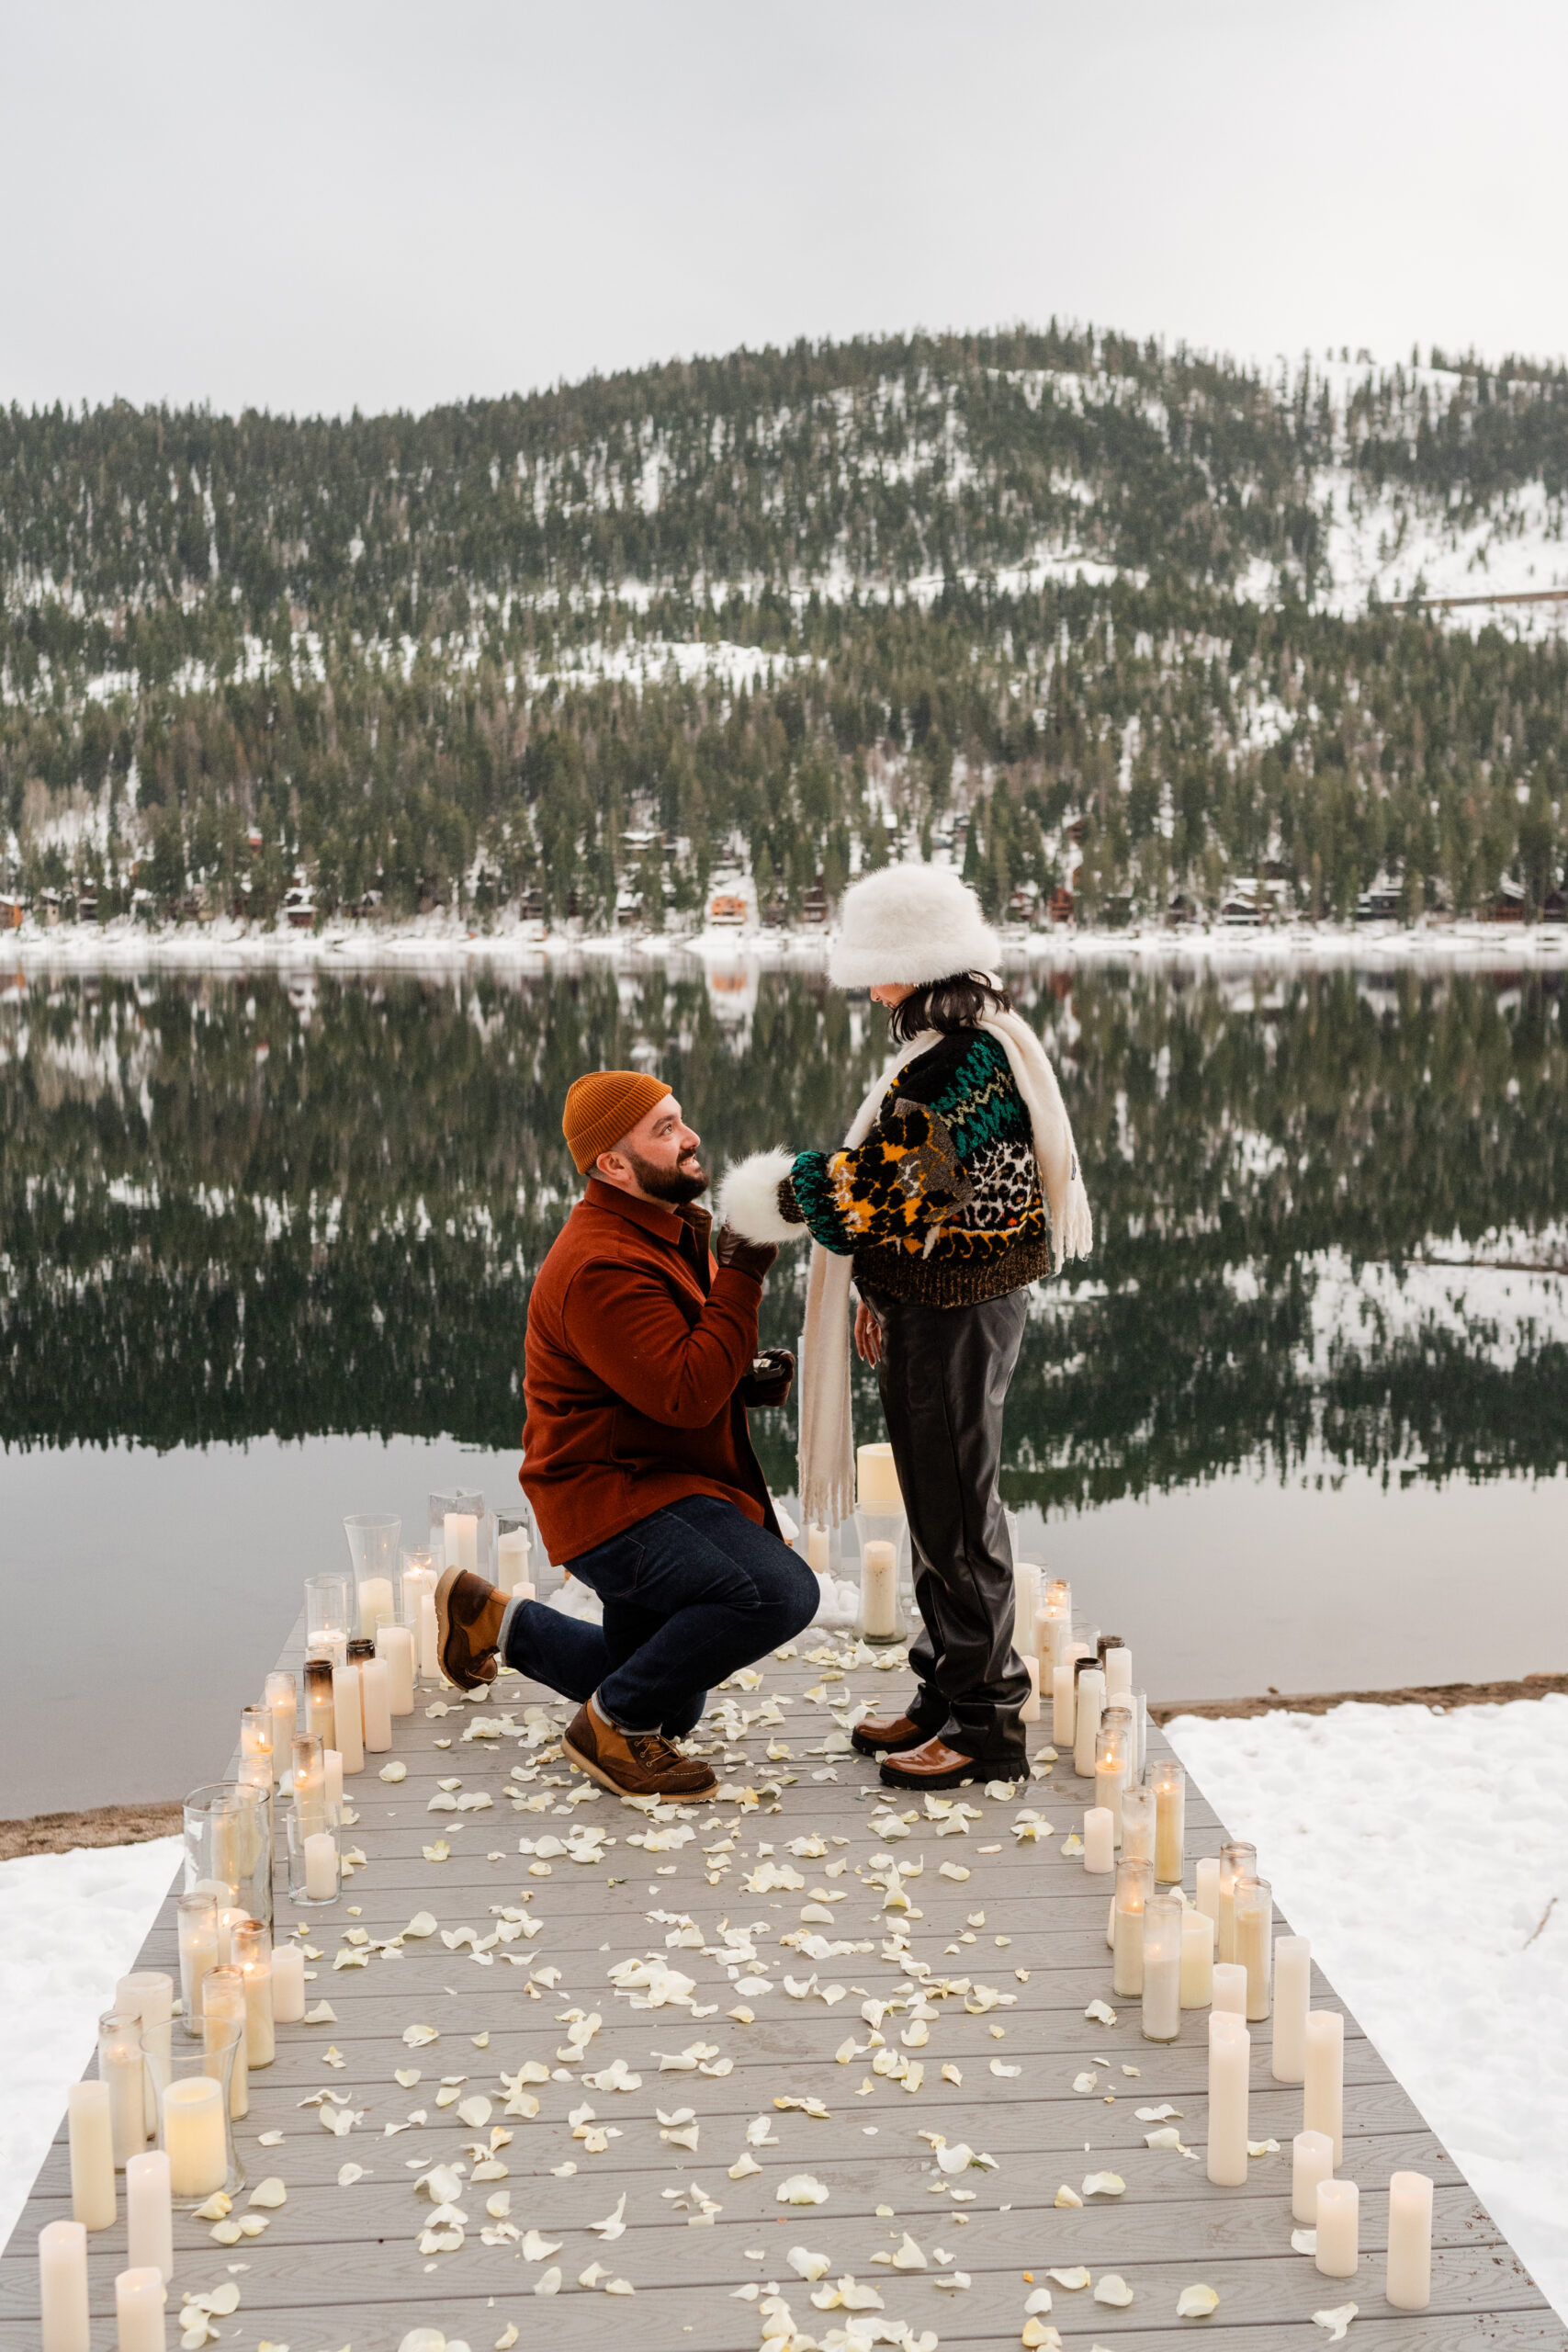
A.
pixel 236 1206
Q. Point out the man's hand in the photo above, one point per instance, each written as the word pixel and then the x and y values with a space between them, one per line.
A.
pixel 752 1257
pixel 868 1335
pixel 770 1379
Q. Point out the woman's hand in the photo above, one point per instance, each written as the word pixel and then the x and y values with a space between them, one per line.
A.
pixel 868 1335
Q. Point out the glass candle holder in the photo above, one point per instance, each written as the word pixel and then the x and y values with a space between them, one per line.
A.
pixel 514 1553
pixel 228 1845
pixel 222 2008
pixel 1064 1694
pixel 1111 1774
pixel 314 1857
pixel 282 1697
pixel 373 1551
pixel 1138 1824
pixel 884 1547
pixel 418 1589
pixel 308 1778
pixel 1197 1960
pixel 255 1734
pixel 123 2068
pixel 453 1545
pixel 195 1917
pixel 1088 1705
pixel 1134 1884
pixel 193 2127
pixel 1238 1859
pixel 326 1617
pixel 1252 1905
pixel 256 1772
pixel 1162 1916
pixel 250 1951
pixel 1052 1631
pixel 318 1722
pixel 1167 1781
pixel 396 1648
pixel 149 1993
pixel 1138 1703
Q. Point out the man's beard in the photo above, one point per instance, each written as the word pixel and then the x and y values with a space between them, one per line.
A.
pixel 682 1183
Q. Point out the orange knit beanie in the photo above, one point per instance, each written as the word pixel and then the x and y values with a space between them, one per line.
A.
pixel 602 1107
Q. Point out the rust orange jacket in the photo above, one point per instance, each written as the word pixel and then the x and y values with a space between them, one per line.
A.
pixel 636 1346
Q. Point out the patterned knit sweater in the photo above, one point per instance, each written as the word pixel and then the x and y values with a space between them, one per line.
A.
pixel 942 1202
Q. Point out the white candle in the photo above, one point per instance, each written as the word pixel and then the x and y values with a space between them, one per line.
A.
pixel 395 1645
pixel 879 1591
pixel 1254 1907
pixel 223 2014
pixel 252 1955
pixel 462 1531
pixel 1062 1717
pixel 1197 1960
pixel 1207 1877
pixel 429 1640
pixel 331 1763
pixel 511 1559
pixel 1235 1860
pixel 1109 1780
pixel 1170 1822
pixel 346 1713
pixel 321 1867
pixel 195 2136
pixel 1409 2241
pixel 376 1608
pixel 1162 1968
pixel 1292 1998
pixel 1230 2060
pixel 149 1993
pixel 1052 1631
pixel 1312 2161
pixel 1118 1670
pixel 1133 1883
pixel 150 2235
pixel 1338 2228
pixel 319 1700
pixel 123 2069
pixel 282 1697
pixel 92 2155
pixel 817 1556
pixel 196 1916
pixel 62 2285
pixel 1091 1702
pixel 1025 1599
pixel 1322 2104
pixel 876 1480
pixel 139 2299
pixel 1098 1841
pixel 1137 1811
pixel 228 1920
pixel 1229 1995
pixel 1030 1711
pixel 287 1985
pixel 376 1700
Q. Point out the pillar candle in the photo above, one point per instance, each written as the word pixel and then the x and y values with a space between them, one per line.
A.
pixel 1030 1711
pixel 287 1985
pixel 1052 1631
pixel 1197 1960
pixel 139 2299
pixel 1134 1883
pixel 1170 1821
pixel 195 2136
pixel 879 1589
pixel 1322 2104
pixel 1118 1670
pixel 149 1993
pixel 321 1866
pixel 1338 2228
pixel 817 1558
pixel 1025 1600
pixel 197 1927
pixel 283 1698
pixel 252 1945
pixel 1109 1780
pixel 1162 1968
pixel 1207 1878
pixel 876 1480
pixel 512 1558
pixel 62 2285
pixel 376 1702
pixel 462 1531
pixel 346 1713
pixel 1229 1995
pixel 1235 1860
pixel 1409 2241
pixel 1137 1825
pixel 1253 1905
pixel 92 2155
pixel 1292 1991
pixel 1312 2161
pixel 1088 1701
pixel 332 1764
pixel 1062 1704
pixel 319 1700
pixel 1098 1841
pixel 1230 2060
pixel 223 2012
pixel 394 1644
pixel 429 1640
pixel 149 2232
pixel 1139 1701
pixel 121 2067
pixel 376 1608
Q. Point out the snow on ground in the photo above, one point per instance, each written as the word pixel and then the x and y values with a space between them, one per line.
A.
pixel 71 1926
pixel 1421 1853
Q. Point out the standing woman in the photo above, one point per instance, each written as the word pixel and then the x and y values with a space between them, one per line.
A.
pixel 958 1186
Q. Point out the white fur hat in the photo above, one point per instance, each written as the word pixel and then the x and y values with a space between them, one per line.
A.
pixel 911 925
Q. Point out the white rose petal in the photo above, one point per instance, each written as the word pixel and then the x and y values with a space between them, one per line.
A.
pixel 1335 2321
pixel 1113 2290
pixel 801 2189
pixel 1196 2302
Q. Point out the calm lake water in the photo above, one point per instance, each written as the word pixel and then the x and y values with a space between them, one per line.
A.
pixel 265 1247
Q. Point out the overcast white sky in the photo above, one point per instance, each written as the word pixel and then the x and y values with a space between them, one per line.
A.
pixel 368 202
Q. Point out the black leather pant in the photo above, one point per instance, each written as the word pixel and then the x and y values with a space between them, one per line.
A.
pixel 944 1375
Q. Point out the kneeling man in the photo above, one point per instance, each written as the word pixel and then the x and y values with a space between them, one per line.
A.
pixel 637 1460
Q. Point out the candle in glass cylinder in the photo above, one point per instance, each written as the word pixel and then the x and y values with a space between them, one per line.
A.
pixel 92 2155
pixel 1162 1967
pixel 1111 1774
pixel 346 1717
pixel 195 2136
pixel 283 1700
pixel 1292 1998
pixel 876 1480
pixel 1134 1884
pixel 1338 2228
pixel 462 1530
pixel 429 1640
pixel 375 1605
pixel 1197 1960
pixel 819 1557
pixel 512 1562
pixel 1322 2100
pixel 255 1733
pixel 197 1925
pixel 1098 1841
pixel 1064 1685
pixel 287 1985
pixel 321 1867
pixel 149 1993
pixel 122 2067
pixel 251 1945
pixel 1030 1711
pixel 319 1701
pixel 879 1589
pixel 149 2220
pixel 62 2287
pixel 1026 1577
pixel 394 1645
pixel 139 2296
pixel 1230 2062
pixel 1238 1859
pixel 228 1918
pixel 1137 1825
pixel 1052 1631
pixel 1409 2241
pixel 1169 1784
pixel 1207 1878
pixel 223 2013
pixel 1312 2161
pixel 308 1777
pixel 333 1763
pixel 1229 1995
pixel 1253 1904
pixel 1118 1670
pixel 376 1702
pixel 1088 1702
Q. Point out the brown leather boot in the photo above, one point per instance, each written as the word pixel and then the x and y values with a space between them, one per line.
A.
pixel 633 1763
pixel 887 1734
pixel 936 1766
pixel 468 1627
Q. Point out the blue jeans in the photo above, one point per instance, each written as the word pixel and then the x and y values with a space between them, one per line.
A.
pixel 690 1593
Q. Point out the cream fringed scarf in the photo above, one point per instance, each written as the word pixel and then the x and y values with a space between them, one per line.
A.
pixel 826 1434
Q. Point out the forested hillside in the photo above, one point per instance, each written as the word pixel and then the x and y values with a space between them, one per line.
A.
pixel 1077 606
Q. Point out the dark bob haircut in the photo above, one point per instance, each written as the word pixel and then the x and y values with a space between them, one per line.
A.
pixel 961 1002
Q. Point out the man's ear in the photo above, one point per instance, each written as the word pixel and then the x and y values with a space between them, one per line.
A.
pixel 611 1174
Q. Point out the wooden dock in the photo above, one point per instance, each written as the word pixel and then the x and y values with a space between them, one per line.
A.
pixel 341 2265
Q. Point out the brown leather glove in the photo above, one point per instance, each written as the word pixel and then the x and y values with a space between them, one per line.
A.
pixel 772 1384
pixel 752 1257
